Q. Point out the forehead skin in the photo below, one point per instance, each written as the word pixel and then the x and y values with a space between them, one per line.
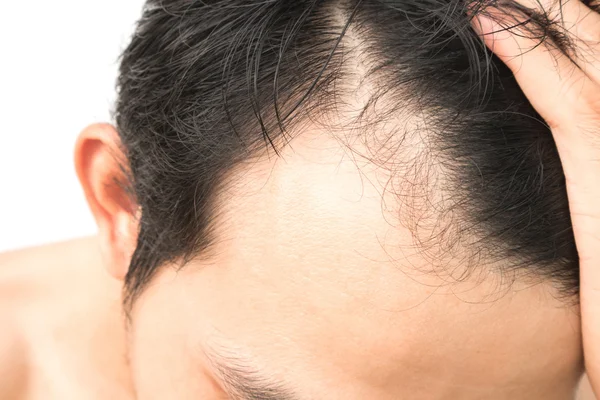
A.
pixel 314 283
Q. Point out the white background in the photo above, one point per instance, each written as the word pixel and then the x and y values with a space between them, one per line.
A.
pixel 58 66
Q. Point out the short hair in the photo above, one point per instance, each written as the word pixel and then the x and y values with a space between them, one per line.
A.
pixel 206 85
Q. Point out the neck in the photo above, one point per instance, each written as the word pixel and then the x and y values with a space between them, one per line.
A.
pixel 106 320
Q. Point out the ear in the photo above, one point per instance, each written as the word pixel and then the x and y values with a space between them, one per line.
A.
pixel 99 162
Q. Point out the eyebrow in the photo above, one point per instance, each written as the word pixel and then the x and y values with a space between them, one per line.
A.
pixel 245 382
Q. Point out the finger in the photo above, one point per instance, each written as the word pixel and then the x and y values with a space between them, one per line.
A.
pixel 579 20
pixel 581 26
pixel 574 15
pixel 568 98
pixel 573 22
pixel 587 233
pixel 556 88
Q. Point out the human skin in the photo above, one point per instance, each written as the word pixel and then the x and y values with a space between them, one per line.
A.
pixel 308 263
pixel 314 285
pixel 566 93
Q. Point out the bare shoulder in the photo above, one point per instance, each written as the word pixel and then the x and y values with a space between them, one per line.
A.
pixel 30 273
pixel 42 279
pixel 13 360
pixel 585 390
pixel 37 258
pixel 32 283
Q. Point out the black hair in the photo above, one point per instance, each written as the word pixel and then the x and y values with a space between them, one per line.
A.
pixel 206 85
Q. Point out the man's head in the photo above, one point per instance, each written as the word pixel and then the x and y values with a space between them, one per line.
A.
pixel 332 199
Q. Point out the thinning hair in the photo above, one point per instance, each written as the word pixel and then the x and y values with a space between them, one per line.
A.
pixel 206 85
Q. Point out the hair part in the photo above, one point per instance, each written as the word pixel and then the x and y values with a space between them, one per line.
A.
pixel 207 85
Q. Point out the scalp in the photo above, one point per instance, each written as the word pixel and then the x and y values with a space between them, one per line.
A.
pixel 208 87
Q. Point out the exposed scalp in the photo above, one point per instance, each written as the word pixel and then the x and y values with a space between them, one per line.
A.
pixel 207 85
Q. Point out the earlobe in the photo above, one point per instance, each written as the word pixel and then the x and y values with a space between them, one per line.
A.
pixel 99 163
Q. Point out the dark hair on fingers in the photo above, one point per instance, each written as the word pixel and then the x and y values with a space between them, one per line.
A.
pixel 207 85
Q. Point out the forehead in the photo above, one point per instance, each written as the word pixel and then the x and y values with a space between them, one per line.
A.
pixel 315 277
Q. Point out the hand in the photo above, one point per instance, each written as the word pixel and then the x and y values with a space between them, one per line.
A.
pixel 564 87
